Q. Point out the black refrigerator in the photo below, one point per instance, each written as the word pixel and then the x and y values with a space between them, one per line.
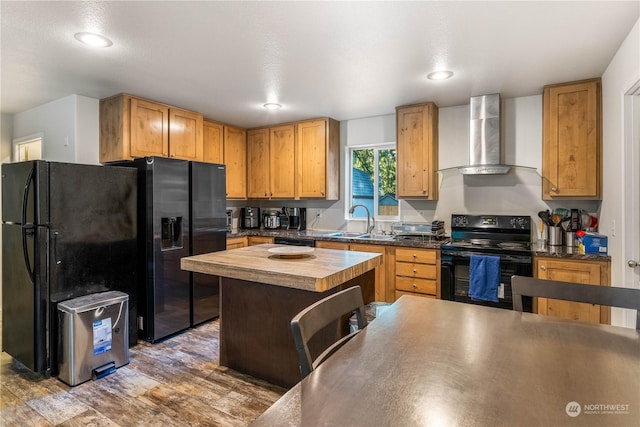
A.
pixel 181 211
pixel 68 230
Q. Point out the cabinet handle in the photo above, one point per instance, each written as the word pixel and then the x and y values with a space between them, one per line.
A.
pixel 173 155
pixel 543 268
pixel 415 286
pixel 322 193
pixel 165 154
pixel 415 256
pixel 414 270
pixel 555 189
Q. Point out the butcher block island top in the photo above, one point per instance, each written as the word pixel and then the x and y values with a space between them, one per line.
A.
pixel 318 270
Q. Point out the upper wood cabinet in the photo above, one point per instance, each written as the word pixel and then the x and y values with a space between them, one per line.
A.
pixel 235 157
pixel 271 162
pixel 318 159
pixel 572 141
pixel 132 127
pixel 258 164
pixel 282 161
pixel 579 271
pixel 417 150
pixel 212 142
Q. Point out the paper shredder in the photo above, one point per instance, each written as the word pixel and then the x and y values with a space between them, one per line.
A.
pixel 94 338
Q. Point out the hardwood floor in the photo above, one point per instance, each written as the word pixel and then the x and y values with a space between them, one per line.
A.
pixel 174 383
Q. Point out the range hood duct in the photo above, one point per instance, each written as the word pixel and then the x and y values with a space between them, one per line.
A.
pixel 484 149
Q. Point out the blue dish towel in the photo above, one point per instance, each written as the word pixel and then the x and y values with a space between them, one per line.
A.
pixel 484 278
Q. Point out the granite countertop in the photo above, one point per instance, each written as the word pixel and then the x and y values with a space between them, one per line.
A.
pixel 318 271
pixel 570 252
pixel 385 240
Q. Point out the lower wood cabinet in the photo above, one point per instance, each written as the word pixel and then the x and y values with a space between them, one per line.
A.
pixel 236 242
pixel 417 272
pixel 258 240
pixel 382 293
pixel 580 271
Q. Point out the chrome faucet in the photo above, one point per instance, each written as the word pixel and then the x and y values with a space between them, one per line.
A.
pixel 370 219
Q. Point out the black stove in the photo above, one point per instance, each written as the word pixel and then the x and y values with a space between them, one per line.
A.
pixel 505 236
pixel 490 234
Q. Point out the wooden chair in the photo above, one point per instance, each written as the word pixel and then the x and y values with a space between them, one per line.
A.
pixel 320 314
pixel 578 292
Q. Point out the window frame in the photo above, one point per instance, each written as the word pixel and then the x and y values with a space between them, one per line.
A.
pixel 349 179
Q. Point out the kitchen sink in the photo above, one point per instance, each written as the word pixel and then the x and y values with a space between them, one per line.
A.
pixel 376 236
pixel 355 235
pixel 349 234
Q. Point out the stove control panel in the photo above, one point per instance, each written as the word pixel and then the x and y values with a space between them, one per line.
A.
pixel 491 222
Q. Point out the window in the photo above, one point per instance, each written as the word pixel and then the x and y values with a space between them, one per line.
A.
pixel 372 181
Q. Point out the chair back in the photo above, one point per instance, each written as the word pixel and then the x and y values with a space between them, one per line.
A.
pixel 320 314
pixel 578 292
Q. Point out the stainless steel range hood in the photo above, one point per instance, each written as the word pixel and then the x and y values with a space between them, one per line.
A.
pixel 485 157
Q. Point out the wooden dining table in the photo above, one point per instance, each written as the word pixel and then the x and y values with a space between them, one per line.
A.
pixel 426 362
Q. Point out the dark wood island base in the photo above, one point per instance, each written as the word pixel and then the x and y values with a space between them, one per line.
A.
pixel 255 331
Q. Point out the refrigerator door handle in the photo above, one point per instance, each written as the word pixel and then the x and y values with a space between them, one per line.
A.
pixel 28 229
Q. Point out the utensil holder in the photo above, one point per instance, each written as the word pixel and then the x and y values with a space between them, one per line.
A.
pixel 555 236
pixel 570 239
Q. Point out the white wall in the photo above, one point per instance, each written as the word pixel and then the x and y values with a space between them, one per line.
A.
pixel 87 134
pixel 519 192
pixel 621 74
pixel 70 126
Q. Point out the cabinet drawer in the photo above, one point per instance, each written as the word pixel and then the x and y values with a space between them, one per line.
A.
pixel 423 256
pixel 423 286
pixel 400 293
pixel 412 269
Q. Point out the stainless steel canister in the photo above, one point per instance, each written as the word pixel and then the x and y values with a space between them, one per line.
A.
pixel 555 235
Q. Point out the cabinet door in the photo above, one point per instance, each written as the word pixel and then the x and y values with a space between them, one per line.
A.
pixel 235 157
pixel 572 143
pixel 569 271
pixel 236 242
pixel 212 142
pixel 258 164
pixel 312 158
pixel 185 134
pixel 282 161
pixel 258 240
pixel 381 270
pixel 332 245
pixel 149 129
pixel 417 151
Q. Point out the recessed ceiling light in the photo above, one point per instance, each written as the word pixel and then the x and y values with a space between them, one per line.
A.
pixel 440 75
pixel 272 106
pixel 93 39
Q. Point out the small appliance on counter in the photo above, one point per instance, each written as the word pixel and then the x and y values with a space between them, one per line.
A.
pixel 250 217
pixel 271 220
pixel 297 219
pixel 229 220
pixel 284 219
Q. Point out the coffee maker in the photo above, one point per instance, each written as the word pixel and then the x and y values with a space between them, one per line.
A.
pixel 250 217
pixel 297 219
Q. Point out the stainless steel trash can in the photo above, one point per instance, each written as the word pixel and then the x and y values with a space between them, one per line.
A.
pixel 94 336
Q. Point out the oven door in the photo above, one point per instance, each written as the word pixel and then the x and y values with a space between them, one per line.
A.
pixel 455 278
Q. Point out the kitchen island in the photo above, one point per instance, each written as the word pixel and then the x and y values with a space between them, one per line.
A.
pixel 260 292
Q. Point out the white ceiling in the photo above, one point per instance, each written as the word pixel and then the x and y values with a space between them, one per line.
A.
pixel 345 60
